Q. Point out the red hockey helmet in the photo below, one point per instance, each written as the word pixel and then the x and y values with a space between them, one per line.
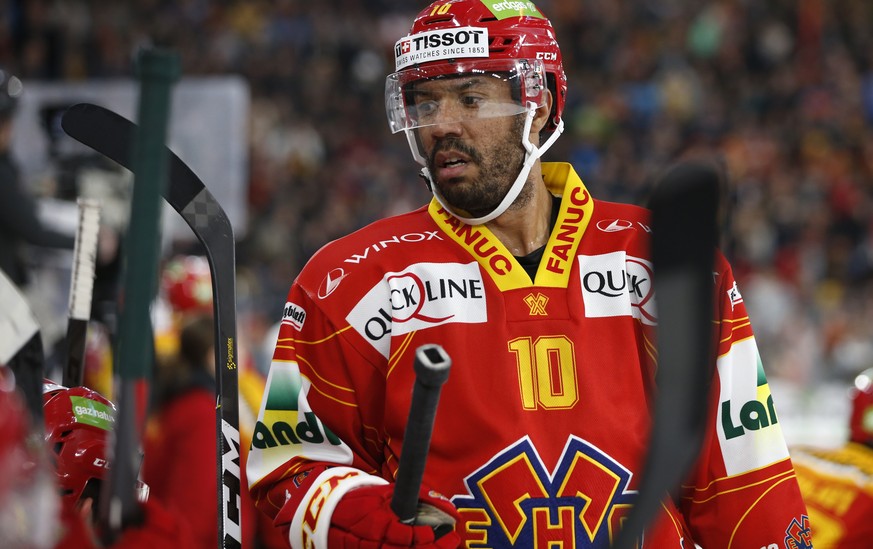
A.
pixel 861 419
pixel 77 425
pixel 479 40
pixel 187 284
pixel 456 37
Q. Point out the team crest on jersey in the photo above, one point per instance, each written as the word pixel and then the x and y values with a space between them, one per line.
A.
pixel 537 303
pixel 798 535
pixel 514 501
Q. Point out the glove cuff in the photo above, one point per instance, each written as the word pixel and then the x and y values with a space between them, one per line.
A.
pixel 311 522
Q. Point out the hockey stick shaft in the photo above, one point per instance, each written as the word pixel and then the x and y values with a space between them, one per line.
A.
pixel 431 372
pixel 157 71
pixel 81 290
pixel 108 133
pixel 684 239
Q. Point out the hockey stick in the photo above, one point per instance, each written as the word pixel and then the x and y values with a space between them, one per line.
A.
pixel 684 238
pixel 111 134
pixel 431 372
pixel 118 507
pixel 21 349
pixel 81 288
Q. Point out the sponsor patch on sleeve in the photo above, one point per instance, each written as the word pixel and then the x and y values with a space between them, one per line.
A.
pixel 734 295
pixel 294 315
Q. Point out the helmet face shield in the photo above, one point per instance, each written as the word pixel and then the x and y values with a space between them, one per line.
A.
pixel 466 91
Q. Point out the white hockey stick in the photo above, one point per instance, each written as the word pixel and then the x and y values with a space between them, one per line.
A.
pixel 81 289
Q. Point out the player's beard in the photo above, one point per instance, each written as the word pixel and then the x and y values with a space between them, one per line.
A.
pixel 499 164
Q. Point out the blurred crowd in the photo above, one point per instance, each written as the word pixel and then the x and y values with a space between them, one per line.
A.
pixel 781 92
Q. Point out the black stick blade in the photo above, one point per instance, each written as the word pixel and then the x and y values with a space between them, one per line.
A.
pixel 111 135
pixel 684 239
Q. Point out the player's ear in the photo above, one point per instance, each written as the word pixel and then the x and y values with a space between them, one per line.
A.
pixel 541 118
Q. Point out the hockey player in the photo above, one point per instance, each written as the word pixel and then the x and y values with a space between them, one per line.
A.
pixel 542 296
pixel 837 484
pixel 77 422
pixel 181 420
pixel 50 504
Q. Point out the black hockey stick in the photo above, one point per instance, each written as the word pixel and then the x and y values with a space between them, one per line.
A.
pixel 431 372
pixel 81 289
pixel 111 135
pixel 684 237
pixel 21 349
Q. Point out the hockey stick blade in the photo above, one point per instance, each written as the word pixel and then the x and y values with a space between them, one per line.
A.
pixel 112 135
pixel 81 290
pixel 431 372
pixel 684 238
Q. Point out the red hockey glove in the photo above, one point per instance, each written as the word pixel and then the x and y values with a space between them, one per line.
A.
pixel 363 519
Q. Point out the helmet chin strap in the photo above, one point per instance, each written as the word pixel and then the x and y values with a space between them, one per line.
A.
pixel 532 153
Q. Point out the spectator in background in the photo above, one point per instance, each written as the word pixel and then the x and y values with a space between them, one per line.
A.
pixel 180 437
pixel 179 463
pixel 19 224
pixel 782 90
pixel 837 484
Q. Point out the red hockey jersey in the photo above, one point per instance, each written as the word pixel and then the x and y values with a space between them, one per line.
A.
pixel 837 485
pixel 541 428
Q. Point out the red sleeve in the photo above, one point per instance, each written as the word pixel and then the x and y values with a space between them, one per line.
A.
pixel 159 529
pixel 312 442
pixel 744 492
pixel 180 466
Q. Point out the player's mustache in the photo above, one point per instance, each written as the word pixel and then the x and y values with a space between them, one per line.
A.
pixel 457 145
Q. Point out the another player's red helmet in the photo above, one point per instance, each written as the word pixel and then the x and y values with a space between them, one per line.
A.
pixel 861 420
pixel 187 284
pixel 77 425
pixel 460 36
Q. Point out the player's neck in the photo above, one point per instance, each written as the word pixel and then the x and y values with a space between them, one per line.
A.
pixel 523 230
